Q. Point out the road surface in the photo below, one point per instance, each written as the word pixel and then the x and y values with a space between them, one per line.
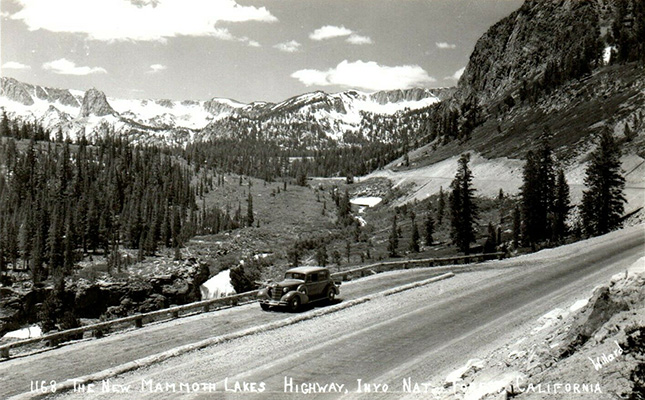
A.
pixel 414 336
pixel 96 355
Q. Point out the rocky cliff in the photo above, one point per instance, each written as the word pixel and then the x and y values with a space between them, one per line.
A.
pixel 549 42
pixel 104 296
pixel 95 103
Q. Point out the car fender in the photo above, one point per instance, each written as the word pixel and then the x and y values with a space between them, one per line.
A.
pixel 303 297
pixel 335 288
pixel 263 293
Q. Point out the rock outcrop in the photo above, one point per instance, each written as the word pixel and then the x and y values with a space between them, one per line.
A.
pixel 95 103
pixel 106 298
pixel 25 93
pixel 15 91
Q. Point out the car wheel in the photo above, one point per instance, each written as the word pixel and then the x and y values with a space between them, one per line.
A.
pixel 265 307
pixel 294 303
pixel 331 294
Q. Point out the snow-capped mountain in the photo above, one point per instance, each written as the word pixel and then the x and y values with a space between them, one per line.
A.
pixel 92 114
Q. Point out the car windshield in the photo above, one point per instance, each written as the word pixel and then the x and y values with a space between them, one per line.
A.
pixel 294 275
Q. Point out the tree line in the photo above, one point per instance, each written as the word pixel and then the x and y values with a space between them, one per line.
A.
pixel 61 201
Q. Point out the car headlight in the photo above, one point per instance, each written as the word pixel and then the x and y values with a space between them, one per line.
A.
pixel 285 290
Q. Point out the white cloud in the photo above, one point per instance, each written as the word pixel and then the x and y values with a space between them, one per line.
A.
pixel 289 47
pixel 458 73
pixel 15 65
pixel 222 34
pixel 66 67
pixel 358 39
pixel 445 45
pixel 329 32
pixel 157 68
pixel 253 43
pixel 140 20
pixel 365 75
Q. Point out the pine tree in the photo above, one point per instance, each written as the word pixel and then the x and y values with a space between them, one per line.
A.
pixel 531 201
pixel 55 241
pixel 414 239
pixel 249 210
pixel 321 255
pixel 491 240
pixel 4 125
pixel 293 255
pixel 336 257
pixel 463 209
pixel 344 208
pixel 69 255
pixel 441 206
pixel 538 193
pixel 393 242
pixel 429 225
pixel 517 226
pixel 547 180
pixel 3 262
pixel 176 228
pixel 603 201
pixel 561 207
pixel 150 243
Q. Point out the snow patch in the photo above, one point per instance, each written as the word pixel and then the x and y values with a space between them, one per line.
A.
pixel 578 305
pixel 25 333
pixel 606 54
pixel 217 286
pixel 36 110
pixel 490 175
pixel 366 201
pixel 191 115
pixel 261 255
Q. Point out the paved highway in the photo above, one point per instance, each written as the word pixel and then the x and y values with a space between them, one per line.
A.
pixel 415 336
pixel 96 355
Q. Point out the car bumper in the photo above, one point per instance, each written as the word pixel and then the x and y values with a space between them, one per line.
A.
pixel 274 303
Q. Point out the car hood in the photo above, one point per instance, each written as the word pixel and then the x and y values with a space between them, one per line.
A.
pixel 288 283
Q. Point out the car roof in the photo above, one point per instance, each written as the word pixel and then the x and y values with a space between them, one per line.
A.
pixel 307 270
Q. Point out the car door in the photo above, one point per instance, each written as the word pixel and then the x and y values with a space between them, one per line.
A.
pixel 314 285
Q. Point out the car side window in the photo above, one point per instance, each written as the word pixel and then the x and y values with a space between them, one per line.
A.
pixel 314 277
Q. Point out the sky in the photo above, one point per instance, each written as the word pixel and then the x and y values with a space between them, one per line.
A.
pixel 247 50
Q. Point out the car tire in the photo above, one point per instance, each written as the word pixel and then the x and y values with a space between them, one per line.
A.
pixel 294 304
pixel 331 294
pixel 264 307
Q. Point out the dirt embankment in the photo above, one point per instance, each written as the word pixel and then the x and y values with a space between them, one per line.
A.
pixel 593 350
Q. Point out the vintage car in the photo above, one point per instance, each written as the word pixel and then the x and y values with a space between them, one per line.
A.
pixel 300 286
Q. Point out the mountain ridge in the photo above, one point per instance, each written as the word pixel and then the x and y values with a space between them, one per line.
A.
pixel 90 112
